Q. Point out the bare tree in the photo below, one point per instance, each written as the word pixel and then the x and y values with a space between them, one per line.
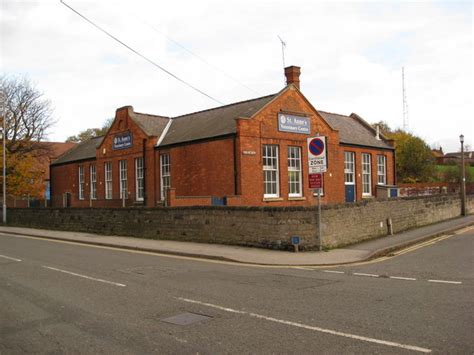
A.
pixel 28 114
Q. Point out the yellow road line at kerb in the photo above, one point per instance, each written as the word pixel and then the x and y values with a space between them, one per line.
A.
pixel 124 250
pixel 235 263
pixel 422 245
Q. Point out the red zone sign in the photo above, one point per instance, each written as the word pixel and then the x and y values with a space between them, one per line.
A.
pixel 317 162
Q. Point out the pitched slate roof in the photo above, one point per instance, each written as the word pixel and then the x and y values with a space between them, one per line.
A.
pixel 214 122
pixel 354 130
pixel 82 151
pixel 152 125
pixel 220 121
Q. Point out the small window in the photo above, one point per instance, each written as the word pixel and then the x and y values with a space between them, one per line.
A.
pixel 139 187
pixel 108 180
pixel 123 179
pixel 81 182
pixel 93 178
pixel 294 172
pixel 349 171
pixel 271 184
pixel 165 174
pixel 381 169
pixel 366 175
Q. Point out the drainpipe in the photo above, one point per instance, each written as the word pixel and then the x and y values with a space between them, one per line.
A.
pixel 144 174
pixel 235 166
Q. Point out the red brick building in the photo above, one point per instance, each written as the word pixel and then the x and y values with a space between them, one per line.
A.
pixel 251 153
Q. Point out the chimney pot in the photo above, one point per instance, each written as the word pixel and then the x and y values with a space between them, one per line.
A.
pixel 293 75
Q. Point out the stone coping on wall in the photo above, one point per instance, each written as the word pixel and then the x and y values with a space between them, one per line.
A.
pixel 269 208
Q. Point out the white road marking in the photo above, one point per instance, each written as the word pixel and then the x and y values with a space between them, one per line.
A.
pixel 446 282
pixel 84 276
pixel 309 327
pixel 402 278
pixel 303 268
pixel 9 258
pixel 374 275
pixel 362 274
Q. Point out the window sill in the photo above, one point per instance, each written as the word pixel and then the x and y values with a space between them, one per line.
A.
pixel 297 198
pixel 368 197
pixel 272 199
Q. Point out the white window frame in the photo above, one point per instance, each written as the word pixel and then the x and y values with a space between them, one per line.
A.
pixel 349 168
pixel 139 179
pixel 381 170
pixel 93 181
pixel 81 182
pixel 108 180
pixel 123 179
pixel 165 174
pixel 271 171
pixel 366 174
pixel 295 185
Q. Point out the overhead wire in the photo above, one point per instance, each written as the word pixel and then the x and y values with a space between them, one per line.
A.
pixel 197 56
pixel 139 54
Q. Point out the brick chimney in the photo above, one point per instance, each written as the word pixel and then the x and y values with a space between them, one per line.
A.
pixel 293 75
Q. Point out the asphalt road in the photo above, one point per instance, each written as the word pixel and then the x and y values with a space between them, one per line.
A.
pixel 59 297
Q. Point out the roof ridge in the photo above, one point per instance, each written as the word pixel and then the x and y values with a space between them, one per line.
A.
pixel 216 108
pixel 149 114
pixel 334 113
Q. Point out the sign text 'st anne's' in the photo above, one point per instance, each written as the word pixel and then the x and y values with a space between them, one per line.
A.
pixel 293 124
pixel 122 141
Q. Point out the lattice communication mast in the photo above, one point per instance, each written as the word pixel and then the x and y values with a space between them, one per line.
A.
pixel 405 103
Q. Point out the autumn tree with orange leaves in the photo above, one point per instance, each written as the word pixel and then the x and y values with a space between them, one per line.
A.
pixel 28 116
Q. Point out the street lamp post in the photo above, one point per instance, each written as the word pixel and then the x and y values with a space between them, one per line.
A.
pixel 463 178
pixel 3 133
pixel 2 112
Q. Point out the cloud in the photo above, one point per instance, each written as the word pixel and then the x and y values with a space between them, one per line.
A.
pixel 351 55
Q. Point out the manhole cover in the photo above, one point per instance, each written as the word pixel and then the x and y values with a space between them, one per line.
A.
pixel 186 318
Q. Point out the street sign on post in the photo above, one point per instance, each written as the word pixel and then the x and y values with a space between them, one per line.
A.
pixel 317 164
pixel 317 161
pixel 315 181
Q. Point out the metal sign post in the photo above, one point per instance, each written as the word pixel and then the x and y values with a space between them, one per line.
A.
pixel 319 222
pixel 317 164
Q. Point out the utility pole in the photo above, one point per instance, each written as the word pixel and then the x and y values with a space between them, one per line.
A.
pixel 283 46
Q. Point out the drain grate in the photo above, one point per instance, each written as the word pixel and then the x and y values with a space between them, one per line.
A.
pixel 186 318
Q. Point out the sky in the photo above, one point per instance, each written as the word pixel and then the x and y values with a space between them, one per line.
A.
pixel 351 56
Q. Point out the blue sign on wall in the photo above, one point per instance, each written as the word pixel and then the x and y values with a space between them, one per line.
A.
pixel 294 124
pixel 122 141
pixel 295 240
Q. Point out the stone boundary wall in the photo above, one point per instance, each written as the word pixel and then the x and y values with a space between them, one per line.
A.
pixel 267 227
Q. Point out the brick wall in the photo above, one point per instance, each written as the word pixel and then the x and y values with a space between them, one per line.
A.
pixel 202 168
pixel 263 129
pixel 268 227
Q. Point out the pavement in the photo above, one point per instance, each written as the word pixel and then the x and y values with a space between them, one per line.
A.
pixel 351 254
